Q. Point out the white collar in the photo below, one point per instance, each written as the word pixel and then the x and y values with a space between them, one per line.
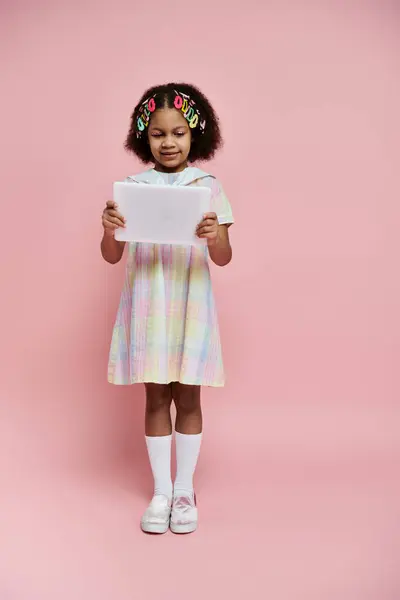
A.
pixel 185 177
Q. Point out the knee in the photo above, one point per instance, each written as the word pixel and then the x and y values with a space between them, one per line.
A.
pixel 186 398
pixel 158 397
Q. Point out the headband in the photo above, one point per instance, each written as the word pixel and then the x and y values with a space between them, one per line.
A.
pixel 182 102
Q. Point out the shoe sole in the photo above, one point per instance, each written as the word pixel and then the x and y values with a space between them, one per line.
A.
pixel 186 528
pixel 154 528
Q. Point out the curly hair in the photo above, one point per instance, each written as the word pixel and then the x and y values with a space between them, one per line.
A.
pixel 204 144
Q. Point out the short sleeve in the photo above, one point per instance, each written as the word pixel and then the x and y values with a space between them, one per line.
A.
pixel 220 204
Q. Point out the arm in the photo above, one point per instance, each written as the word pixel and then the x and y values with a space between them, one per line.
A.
pixel 217 237
pixel 220 249
pixel 111 249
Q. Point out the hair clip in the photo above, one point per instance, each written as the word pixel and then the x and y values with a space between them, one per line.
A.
pixel 145 112
pixel 188 107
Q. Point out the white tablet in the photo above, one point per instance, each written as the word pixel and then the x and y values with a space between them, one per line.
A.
pixel 161 214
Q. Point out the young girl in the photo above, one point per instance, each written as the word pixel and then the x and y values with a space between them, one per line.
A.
pixel 166 331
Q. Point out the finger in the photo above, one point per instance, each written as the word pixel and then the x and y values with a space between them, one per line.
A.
pixel 118 222
pixel 209 225
pixel 111 204
pixel 207 229
pixel 204 224
pixel 207 236
pixel 114 221
pixel 109 226
pixel 116 214
pixel 211 215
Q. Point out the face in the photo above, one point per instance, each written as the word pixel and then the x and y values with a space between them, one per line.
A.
pixel 170 139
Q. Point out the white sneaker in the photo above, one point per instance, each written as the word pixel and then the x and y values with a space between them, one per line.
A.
pixel 156 518
pixel 184 515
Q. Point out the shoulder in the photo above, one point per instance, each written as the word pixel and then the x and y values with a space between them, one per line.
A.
pixel 143 177
pixel 210 181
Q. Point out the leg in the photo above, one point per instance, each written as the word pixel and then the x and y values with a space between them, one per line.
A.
pixel 189 419
pixel 158 409
pixel 184 515
pixel 158 428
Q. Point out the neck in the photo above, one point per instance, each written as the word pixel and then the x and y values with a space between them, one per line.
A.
pixel 163 169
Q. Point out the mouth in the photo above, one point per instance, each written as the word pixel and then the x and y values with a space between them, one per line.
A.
pixel 169 155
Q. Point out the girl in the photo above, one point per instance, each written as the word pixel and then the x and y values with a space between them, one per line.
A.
pixel 166 331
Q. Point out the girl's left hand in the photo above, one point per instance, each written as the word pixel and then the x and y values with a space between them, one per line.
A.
pixel 208 228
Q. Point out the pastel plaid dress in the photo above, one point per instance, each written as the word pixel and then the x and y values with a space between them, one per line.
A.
pixel 166 327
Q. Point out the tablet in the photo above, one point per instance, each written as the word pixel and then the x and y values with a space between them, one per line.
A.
pixel 161 214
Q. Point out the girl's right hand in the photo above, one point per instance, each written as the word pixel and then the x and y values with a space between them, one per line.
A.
pixel 112 219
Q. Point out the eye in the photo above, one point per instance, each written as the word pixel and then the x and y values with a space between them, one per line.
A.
pixel 180 133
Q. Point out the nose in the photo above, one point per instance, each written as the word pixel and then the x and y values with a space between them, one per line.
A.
pixel 168 142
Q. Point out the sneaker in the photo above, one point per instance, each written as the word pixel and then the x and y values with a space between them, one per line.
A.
pixel 184 515
pixel 156 518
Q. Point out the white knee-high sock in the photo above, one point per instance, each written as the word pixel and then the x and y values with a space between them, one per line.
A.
pixel 187 453
pixel 159 449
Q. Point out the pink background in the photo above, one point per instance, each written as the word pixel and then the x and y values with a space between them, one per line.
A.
pixel 298 479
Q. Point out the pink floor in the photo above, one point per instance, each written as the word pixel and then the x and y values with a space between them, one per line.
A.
pixel 301 507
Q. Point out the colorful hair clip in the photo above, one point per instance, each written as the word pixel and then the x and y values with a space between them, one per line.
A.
pixel 145 111
pixel 188 107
